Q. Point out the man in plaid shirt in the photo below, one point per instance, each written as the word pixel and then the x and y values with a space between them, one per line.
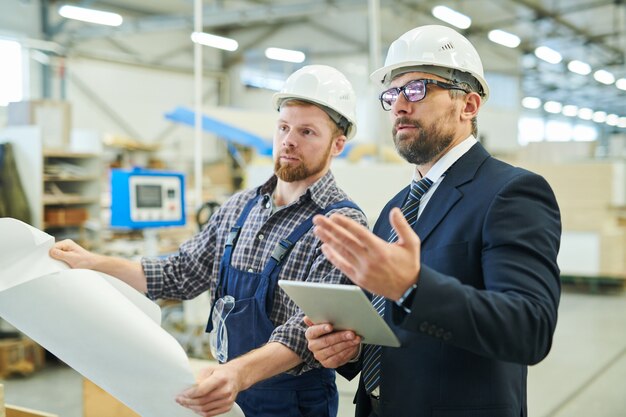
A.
pixel 238 255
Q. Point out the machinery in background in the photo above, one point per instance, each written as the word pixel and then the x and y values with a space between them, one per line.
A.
pixel 142 199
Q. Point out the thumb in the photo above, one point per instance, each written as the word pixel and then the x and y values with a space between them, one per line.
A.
pixel 406 235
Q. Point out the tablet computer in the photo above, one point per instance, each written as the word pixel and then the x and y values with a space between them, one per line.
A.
pixel 346 307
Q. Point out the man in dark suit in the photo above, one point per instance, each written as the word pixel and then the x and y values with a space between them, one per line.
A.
pixel 465 273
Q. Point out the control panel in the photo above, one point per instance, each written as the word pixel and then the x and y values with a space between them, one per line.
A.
pixel 147 198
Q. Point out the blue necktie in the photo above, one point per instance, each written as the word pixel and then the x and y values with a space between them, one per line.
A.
pixel 372 353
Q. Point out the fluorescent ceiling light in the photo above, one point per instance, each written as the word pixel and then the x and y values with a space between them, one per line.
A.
pixel 579 67
pixel 612 119
pixel 621 84
pixel 552 107
pixel 286 55
pixel 91 15
pixel 599 117
pixel 452 16
pixel 604 77
pixel 504 38
pixel 585 113
pixel 214 41
pixel 570 110
pixel 531 102
pixel 548 55
pixel 622 122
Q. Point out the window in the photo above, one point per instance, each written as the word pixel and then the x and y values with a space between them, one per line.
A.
pixel 535 129
pixel 11 72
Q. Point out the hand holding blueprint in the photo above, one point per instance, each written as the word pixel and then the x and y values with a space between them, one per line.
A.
pixel 95 323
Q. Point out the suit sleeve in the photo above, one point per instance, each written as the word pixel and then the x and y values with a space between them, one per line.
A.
pixel 511 314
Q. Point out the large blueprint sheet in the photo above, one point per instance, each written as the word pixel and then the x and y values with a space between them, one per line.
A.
pixel 95 323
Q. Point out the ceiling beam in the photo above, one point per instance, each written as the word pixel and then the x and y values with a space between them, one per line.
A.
pixel 218 18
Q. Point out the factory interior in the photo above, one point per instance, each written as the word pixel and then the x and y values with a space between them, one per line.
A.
pixel 178 95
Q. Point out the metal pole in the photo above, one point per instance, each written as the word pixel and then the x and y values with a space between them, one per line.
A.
pixel 197 53
pixel 375 63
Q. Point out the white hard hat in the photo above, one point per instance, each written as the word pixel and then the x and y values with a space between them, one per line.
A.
pixel 324 86
pixel 434 49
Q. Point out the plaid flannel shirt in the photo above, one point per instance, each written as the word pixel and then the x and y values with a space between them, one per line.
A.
pixel 195 268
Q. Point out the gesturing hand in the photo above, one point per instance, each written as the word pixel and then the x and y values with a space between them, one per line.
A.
pixel 384 268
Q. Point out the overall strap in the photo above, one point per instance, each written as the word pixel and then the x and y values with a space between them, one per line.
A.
pixel 231 242
pixel 284 247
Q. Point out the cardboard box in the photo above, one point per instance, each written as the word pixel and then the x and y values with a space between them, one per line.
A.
pixel 20 356
pixel 99 403
pixel 52 116
pixel 65 216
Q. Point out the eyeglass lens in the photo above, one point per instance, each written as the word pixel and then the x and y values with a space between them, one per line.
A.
pixel 413 91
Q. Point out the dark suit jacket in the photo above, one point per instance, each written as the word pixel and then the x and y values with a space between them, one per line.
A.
pixel 487 296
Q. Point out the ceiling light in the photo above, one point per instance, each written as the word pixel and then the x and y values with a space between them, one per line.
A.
pixel 552 106
pixel 548 55
pixel 452 16
pixel 90 15
pixel 214 41
pixel 621 84
pixel 287 55
pixel 531 102
pixel 621 122
pixel 569 110
pixel 579 67
pixel 604 77
pixel 585 113
pixel 612 119
pixel 599 117
pixel 504 38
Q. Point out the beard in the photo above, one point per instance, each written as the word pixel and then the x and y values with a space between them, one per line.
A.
pixel 303 170
pixel 424 144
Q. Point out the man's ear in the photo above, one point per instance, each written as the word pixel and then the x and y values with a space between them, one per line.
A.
pixel 339 143
pixel 471 105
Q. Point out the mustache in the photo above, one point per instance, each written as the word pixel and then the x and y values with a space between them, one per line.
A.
pixel 405 121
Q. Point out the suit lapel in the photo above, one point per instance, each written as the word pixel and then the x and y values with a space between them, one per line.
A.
pixel 447 193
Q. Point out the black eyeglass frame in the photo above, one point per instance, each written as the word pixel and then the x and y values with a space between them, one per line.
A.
pixel 425 82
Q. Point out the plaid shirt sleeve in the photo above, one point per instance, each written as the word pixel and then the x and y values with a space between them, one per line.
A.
pixel 190 271
pixel 291 333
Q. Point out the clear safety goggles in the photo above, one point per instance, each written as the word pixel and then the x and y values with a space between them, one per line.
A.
pixel 413 91
pixel 218 338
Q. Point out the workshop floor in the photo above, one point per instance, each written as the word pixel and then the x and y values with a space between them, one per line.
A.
pixel 583 376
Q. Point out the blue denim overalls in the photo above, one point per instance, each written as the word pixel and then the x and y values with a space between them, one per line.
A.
pixel 311 394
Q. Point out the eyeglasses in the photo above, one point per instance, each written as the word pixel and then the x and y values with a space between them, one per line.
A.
pixel 218 338
pixel 414 90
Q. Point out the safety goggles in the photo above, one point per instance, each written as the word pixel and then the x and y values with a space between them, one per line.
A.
pixel 218 338
pixel 413 91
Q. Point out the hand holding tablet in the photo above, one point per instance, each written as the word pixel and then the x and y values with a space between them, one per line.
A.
pixel 346 307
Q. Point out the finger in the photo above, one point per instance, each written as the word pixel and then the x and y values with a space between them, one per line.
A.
pixel 406 234
pixel 359 233
pixel 327 341
pixel 339 261
pixel 64 245
pixel 308 321
pixel 316 331
pixel 329 232
pixel 338 349
pixel 341 358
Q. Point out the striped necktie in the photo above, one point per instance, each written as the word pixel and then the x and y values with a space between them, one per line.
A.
pixel 372 353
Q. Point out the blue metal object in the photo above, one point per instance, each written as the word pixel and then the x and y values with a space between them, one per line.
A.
pixel 147 199
pixel 223 130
